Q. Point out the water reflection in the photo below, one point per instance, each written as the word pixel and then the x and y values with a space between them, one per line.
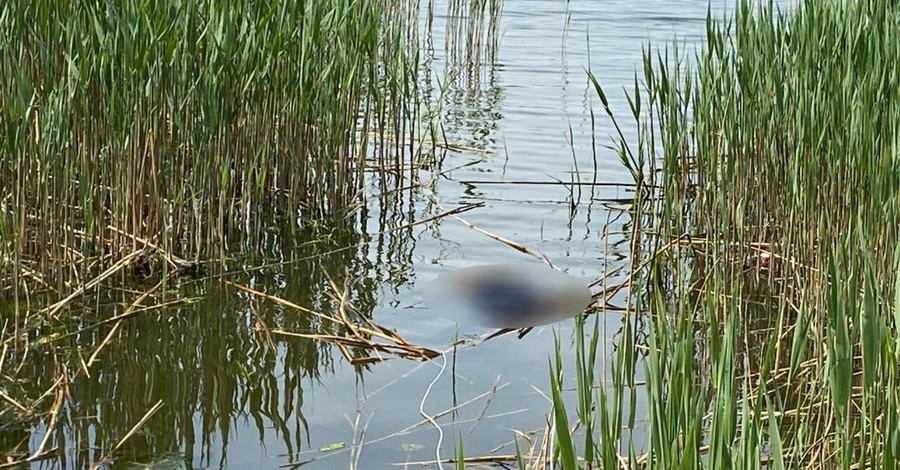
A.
pixel 211 361
pixel 463 80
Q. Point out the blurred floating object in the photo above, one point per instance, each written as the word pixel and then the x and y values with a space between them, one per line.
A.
pixel 507 296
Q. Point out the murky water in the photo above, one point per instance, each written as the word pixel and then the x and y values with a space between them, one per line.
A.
pixel 237 393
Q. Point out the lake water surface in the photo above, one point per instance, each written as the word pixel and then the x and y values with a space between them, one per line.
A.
pixel 236 397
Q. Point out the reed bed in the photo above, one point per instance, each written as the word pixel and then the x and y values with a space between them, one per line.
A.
pixel 764 299
pixel 142 139
pixel 187 124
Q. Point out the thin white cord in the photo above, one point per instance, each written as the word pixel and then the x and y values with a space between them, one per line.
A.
pixel 437 450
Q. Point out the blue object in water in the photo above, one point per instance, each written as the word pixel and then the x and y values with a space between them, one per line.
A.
pixel 507 296
pixel 504 297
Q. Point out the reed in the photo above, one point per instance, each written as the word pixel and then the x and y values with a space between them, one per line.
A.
pixel 189 124
pixel 765 301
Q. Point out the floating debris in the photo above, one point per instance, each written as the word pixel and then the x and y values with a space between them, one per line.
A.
pixel 507 296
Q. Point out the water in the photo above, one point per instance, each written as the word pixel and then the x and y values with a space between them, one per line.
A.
pixel 235 393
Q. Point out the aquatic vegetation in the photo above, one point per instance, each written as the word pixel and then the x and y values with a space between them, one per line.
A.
pixel 765 296
pixel 182 127
pixel 145 139
pixel 212 351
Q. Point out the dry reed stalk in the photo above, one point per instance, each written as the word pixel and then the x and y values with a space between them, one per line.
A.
pixel 400 350
pixel 179 264
pixel 359 439
pixel 128 312
pixel 147 415
pixel 54 417
pixel 487 404
pixel 115 268
pixel 447 213
pixel 359 335
pixel 500 460
pixel 514 245
pixel 14 403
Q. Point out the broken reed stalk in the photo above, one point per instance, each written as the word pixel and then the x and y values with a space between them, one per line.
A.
pixel 356 336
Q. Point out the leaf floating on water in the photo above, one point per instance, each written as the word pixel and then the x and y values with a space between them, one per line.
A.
pixel 411 447
pixel 333 447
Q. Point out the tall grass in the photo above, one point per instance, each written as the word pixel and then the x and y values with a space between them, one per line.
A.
pixel 183 122
pixel 766 250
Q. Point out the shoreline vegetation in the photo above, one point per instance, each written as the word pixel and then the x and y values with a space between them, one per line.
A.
pixel 765 296
pixel 761 328
pixel 162 156
pixel 143 140
pixel 168 133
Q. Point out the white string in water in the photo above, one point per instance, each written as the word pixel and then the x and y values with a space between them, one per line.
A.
pixel 437 450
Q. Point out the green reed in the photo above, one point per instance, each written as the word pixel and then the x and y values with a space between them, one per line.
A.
pixel 765 298
pixel 179 122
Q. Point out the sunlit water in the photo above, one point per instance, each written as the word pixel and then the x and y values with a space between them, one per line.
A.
pixel 228 400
